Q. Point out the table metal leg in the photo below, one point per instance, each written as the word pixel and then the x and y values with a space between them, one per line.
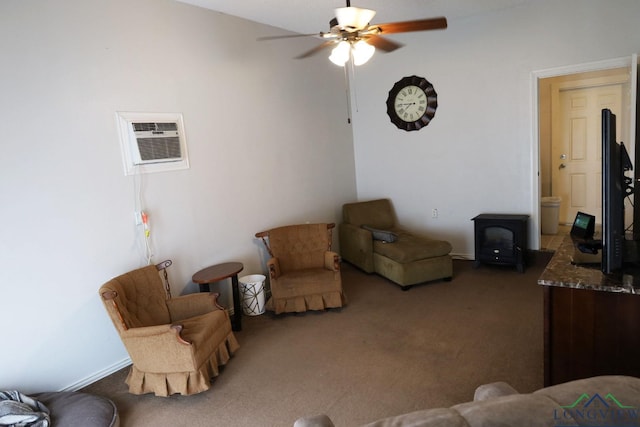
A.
pixel 236 322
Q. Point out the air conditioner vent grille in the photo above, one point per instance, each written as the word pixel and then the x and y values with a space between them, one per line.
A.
pixel 159 148
pixel 154 127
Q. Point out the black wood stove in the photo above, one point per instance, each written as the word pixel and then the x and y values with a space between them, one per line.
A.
pixel 501 239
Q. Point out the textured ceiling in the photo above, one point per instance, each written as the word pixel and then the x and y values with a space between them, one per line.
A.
pixel 312 16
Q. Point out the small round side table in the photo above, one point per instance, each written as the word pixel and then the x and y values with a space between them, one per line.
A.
pixel 216 273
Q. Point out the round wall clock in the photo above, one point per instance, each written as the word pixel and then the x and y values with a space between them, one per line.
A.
pixel 412 103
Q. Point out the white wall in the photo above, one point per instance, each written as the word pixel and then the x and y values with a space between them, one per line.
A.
pixel 477 154
pixel 268 145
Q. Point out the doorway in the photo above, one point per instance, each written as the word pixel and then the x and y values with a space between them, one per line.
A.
pixel 576 144
pixel 569 141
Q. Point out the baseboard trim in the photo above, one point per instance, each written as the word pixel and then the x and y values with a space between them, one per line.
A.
pixel 98 375
pixel 462 256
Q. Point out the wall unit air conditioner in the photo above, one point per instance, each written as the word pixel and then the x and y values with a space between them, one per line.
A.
pixel 152 142
pixel 156 142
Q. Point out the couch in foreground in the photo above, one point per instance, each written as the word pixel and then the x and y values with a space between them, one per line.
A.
pixel 598 401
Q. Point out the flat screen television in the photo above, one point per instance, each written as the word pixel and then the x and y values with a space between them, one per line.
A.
pixel 615 162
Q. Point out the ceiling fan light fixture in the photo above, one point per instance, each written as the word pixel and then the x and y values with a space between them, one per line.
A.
pixel 340 53
pixel 362 52
pixel 351 35
pixel 354 18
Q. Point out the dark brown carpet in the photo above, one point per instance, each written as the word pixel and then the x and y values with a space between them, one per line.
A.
pixel 387 352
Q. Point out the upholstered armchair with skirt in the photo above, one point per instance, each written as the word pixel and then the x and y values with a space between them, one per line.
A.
pixel 176 344
pixel 304 273
pixel 372 240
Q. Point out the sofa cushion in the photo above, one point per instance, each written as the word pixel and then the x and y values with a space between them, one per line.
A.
pixel 374 213
pixel 408 248
pixel 140 298
pixel 299 246
pixel 520 410
pixel 438 417
pixel 308 281
pixel 206 332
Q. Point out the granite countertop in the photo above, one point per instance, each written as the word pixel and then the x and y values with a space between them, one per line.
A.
pixel 569 268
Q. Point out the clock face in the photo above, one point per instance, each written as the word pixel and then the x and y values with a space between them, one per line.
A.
pixel 412 103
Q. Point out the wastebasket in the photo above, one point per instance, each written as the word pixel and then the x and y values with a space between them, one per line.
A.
pixel 252 294
pixel 550 214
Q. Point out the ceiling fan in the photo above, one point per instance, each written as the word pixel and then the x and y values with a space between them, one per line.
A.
pixel 353 36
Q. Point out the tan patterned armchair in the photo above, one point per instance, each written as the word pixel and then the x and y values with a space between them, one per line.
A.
pixel 304 273
pixel 176 344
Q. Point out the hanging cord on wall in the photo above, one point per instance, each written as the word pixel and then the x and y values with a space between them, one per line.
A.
pixel 147 237
pixel 142 218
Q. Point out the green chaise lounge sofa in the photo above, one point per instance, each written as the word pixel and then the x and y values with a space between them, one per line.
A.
pixel 372 240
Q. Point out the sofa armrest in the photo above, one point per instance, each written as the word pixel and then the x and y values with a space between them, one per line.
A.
pixel 489 391
pixel 273 265
pixel 314 421
pixel 150 348
pixel 356 246
pixel 186 306
pixel 331 261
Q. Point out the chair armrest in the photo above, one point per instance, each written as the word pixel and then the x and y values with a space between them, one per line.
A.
pixel 186 306
pixel 148 331
pixel 154 348
pixel 356 246
pixel 273 265
pixel 331 261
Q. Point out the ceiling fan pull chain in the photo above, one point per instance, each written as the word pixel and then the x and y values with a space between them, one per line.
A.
pixel 348 93
pixel 355 86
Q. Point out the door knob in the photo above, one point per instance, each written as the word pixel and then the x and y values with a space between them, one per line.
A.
pixel 562 166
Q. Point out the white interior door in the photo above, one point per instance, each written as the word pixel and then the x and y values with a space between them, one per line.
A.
pixel 576 153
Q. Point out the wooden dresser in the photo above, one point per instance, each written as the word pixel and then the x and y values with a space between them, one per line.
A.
pixel 591 320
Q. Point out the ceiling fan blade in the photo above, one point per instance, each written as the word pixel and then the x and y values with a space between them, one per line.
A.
pixel 439 23
pixel 383 43
pixel 316 49
pixel 289 36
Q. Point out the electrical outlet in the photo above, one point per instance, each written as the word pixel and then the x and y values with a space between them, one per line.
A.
pixel 434 213
pixel 138 217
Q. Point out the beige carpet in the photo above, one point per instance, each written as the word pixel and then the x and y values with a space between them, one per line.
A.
pixel 385 353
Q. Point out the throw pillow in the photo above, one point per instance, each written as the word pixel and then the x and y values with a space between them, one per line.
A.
pixel 384 235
